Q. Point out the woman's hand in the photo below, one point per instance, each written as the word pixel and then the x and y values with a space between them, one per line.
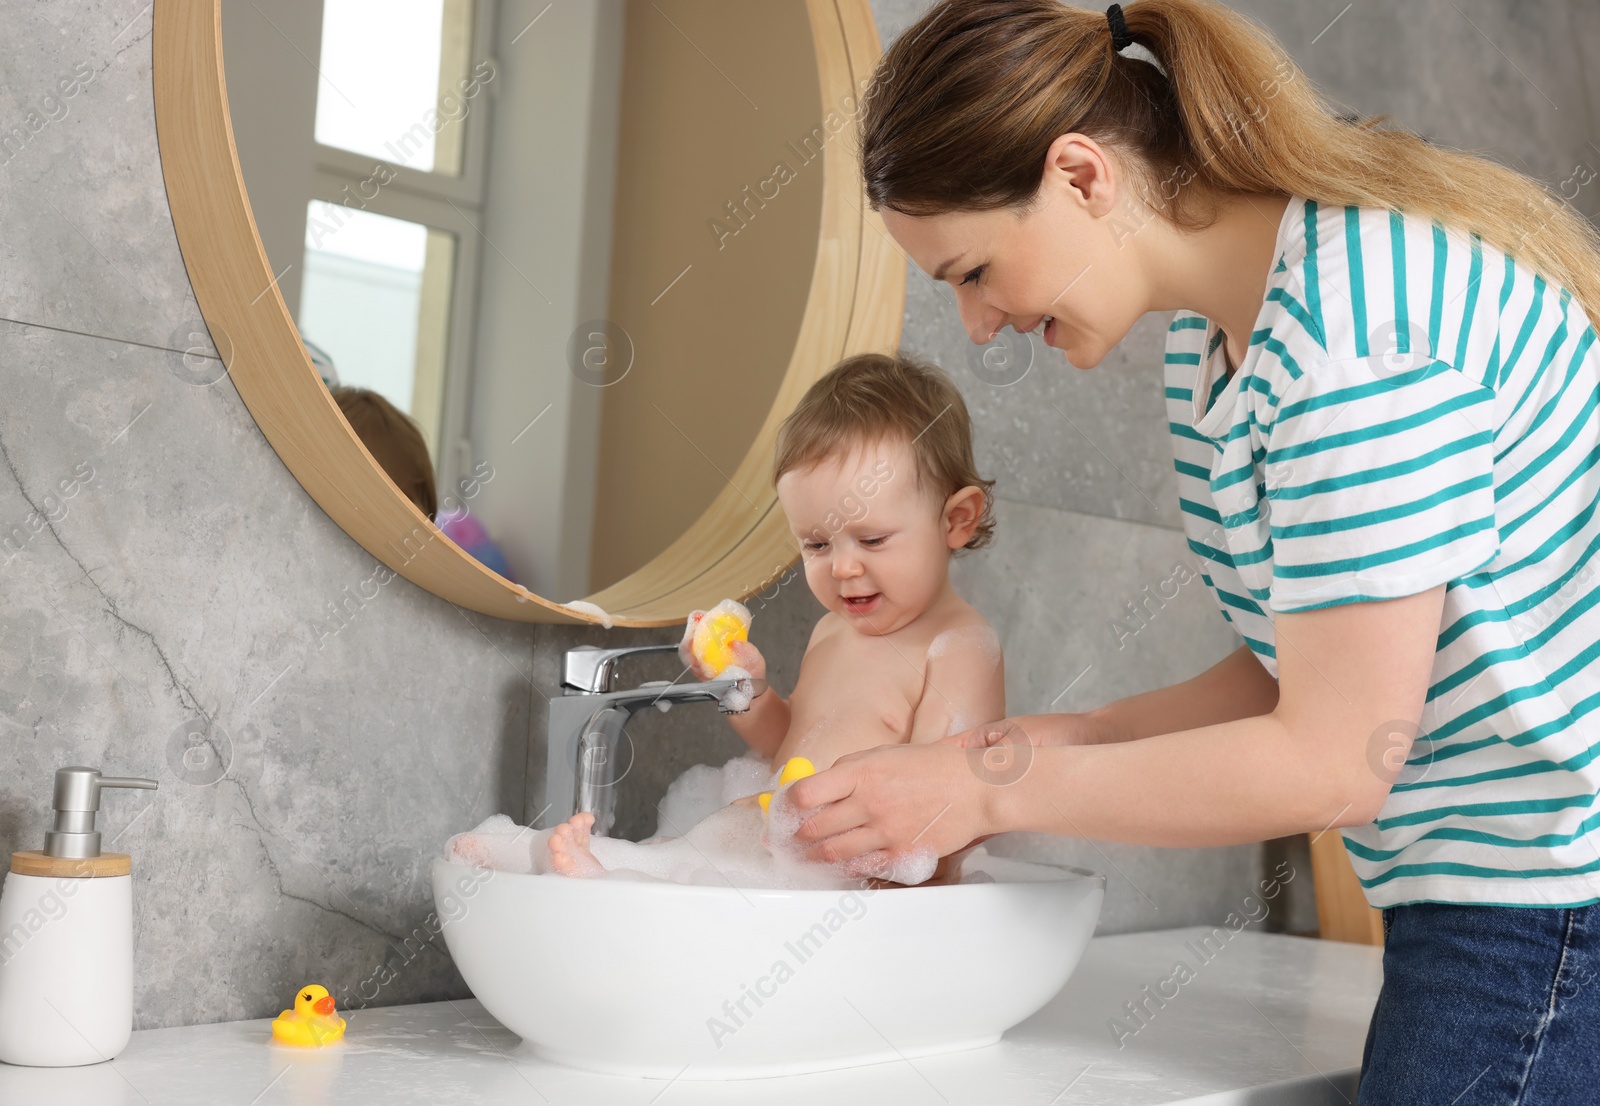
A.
pixel 892 800
pixel 944 795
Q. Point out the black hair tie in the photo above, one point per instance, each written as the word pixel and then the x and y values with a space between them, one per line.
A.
pixel 1120 38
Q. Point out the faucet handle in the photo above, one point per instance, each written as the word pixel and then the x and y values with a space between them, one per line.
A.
pixel 593 670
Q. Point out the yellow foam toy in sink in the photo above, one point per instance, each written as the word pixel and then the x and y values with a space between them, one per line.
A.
pixel 312 1023
pixel 710 635
pixel 795 768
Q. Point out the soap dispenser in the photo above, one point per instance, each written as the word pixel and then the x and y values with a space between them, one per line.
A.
pixel 66 937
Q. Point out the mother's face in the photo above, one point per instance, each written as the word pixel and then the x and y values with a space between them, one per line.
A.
pixel 1074 258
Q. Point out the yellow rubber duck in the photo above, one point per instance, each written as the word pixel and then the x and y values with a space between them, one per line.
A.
pixel 795 768
pixel 312 1023
pixel 716 631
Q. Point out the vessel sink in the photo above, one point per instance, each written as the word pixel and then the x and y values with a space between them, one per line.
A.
pixel 647 978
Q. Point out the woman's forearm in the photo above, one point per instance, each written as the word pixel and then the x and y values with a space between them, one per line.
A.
pixel 1235 687
pixel 1226 784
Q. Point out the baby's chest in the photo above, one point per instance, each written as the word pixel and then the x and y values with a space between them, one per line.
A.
pixel 874 687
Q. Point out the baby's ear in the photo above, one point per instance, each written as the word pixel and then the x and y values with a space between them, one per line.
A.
pixel 962 510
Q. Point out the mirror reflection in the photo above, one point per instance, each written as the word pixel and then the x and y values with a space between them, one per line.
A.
pixel 550 258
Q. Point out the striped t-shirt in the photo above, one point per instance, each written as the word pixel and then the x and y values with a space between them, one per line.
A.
pixel 1417 408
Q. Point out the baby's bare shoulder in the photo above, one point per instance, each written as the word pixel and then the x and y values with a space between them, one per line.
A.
pixel 966 633
pixel 825 628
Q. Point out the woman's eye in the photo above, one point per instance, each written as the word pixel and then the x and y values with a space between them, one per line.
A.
pixel 973 275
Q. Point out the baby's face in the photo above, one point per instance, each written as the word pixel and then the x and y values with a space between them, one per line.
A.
pixel 873 543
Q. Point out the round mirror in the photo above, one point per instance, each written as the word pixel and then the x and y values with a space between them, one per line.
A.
pixel 539 280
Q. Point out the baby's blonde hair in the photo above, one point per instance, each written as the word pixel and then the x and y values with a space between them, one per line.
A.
pixel 874 397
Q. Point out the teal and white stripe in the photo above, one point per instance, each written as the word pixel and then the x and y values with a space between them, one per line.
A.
pixel 1418 408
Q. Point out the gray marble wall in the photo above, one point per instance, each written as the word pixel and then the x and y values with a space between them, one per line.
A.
pixel 167 587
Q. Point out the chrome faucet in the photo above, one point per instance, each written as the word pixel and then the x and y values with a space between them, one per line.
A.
pixel 585 722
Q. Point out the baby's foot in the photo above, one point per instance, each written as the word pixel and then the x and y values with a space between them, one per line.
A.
pixel 569 848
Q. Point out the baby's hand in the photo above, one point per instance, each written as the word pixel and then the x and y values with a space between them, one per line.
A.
pixel 744 655
pixel 749 658
pixel 686 653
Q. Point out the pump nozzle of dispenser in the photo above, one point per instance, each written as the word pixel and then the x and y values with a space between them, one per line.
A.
pixel 76 801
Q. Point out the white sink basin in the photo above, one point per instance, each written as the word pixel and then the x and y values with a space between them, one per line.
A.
pixel 671 981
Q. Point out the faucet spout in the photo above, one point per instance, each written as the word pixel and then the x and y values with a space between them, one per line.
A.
pixel 586 727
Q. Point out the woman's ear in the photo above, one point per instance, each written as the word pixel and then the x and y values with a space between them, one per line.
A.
pixel 962 510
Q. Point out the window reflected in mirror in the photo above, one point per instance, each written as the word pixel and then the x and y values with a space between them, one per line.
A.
pixel 398 60
pixel 375 297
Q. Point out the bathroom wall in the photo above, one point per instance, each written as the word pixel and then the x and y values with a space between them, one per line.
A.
pixel 173 605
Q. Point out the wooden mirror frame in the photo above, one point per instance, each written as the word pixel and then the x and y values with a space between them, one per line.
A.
pixel 738 545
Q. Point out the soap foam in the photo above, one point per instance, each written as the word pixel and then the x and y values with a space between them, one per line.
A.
pixel 783 824
pixel 701 840
pixel 702 790
pixel 501 844
pixel 736 699
pixel 583 606
pixel 981 636
pixel 723 850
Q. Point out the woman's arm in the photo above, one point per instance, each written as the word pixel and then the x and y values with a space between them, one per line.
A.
pixel 1354 676
pixel 1235 687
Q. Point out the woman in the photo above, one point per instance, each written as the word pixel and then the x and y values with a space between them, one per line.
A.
pixel 1381 384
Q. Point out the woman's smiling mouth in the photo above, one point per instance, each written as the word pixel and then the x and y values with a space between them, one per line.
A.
pixel 1049 322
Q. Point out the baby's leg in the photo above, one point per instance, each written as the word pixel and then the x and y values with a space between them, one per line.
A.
pixel 515 849
pixel 569 848
pixel 718 851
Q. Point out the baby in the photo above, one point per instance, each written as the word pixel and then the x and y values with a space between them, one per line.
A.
pixel 875 475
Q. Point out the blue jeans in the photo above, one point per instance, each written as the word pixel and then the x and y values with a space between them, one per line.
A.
pixel 1485 1006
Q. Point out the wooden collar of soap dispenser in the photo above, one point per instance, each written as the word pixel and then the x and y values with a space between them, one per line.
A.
pixel 72 846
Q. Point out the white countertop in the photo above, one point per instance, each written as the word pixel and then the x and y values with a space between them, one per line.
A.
pixel 1257 1011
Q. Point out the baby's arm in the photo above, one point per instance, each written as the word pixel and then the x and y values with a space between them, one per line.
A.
pixel 964 684
pixel 764 726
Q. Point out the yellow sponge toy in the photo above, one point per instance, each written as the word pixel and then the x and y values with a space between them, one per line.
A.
pixel 710 637
pixel 795 768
